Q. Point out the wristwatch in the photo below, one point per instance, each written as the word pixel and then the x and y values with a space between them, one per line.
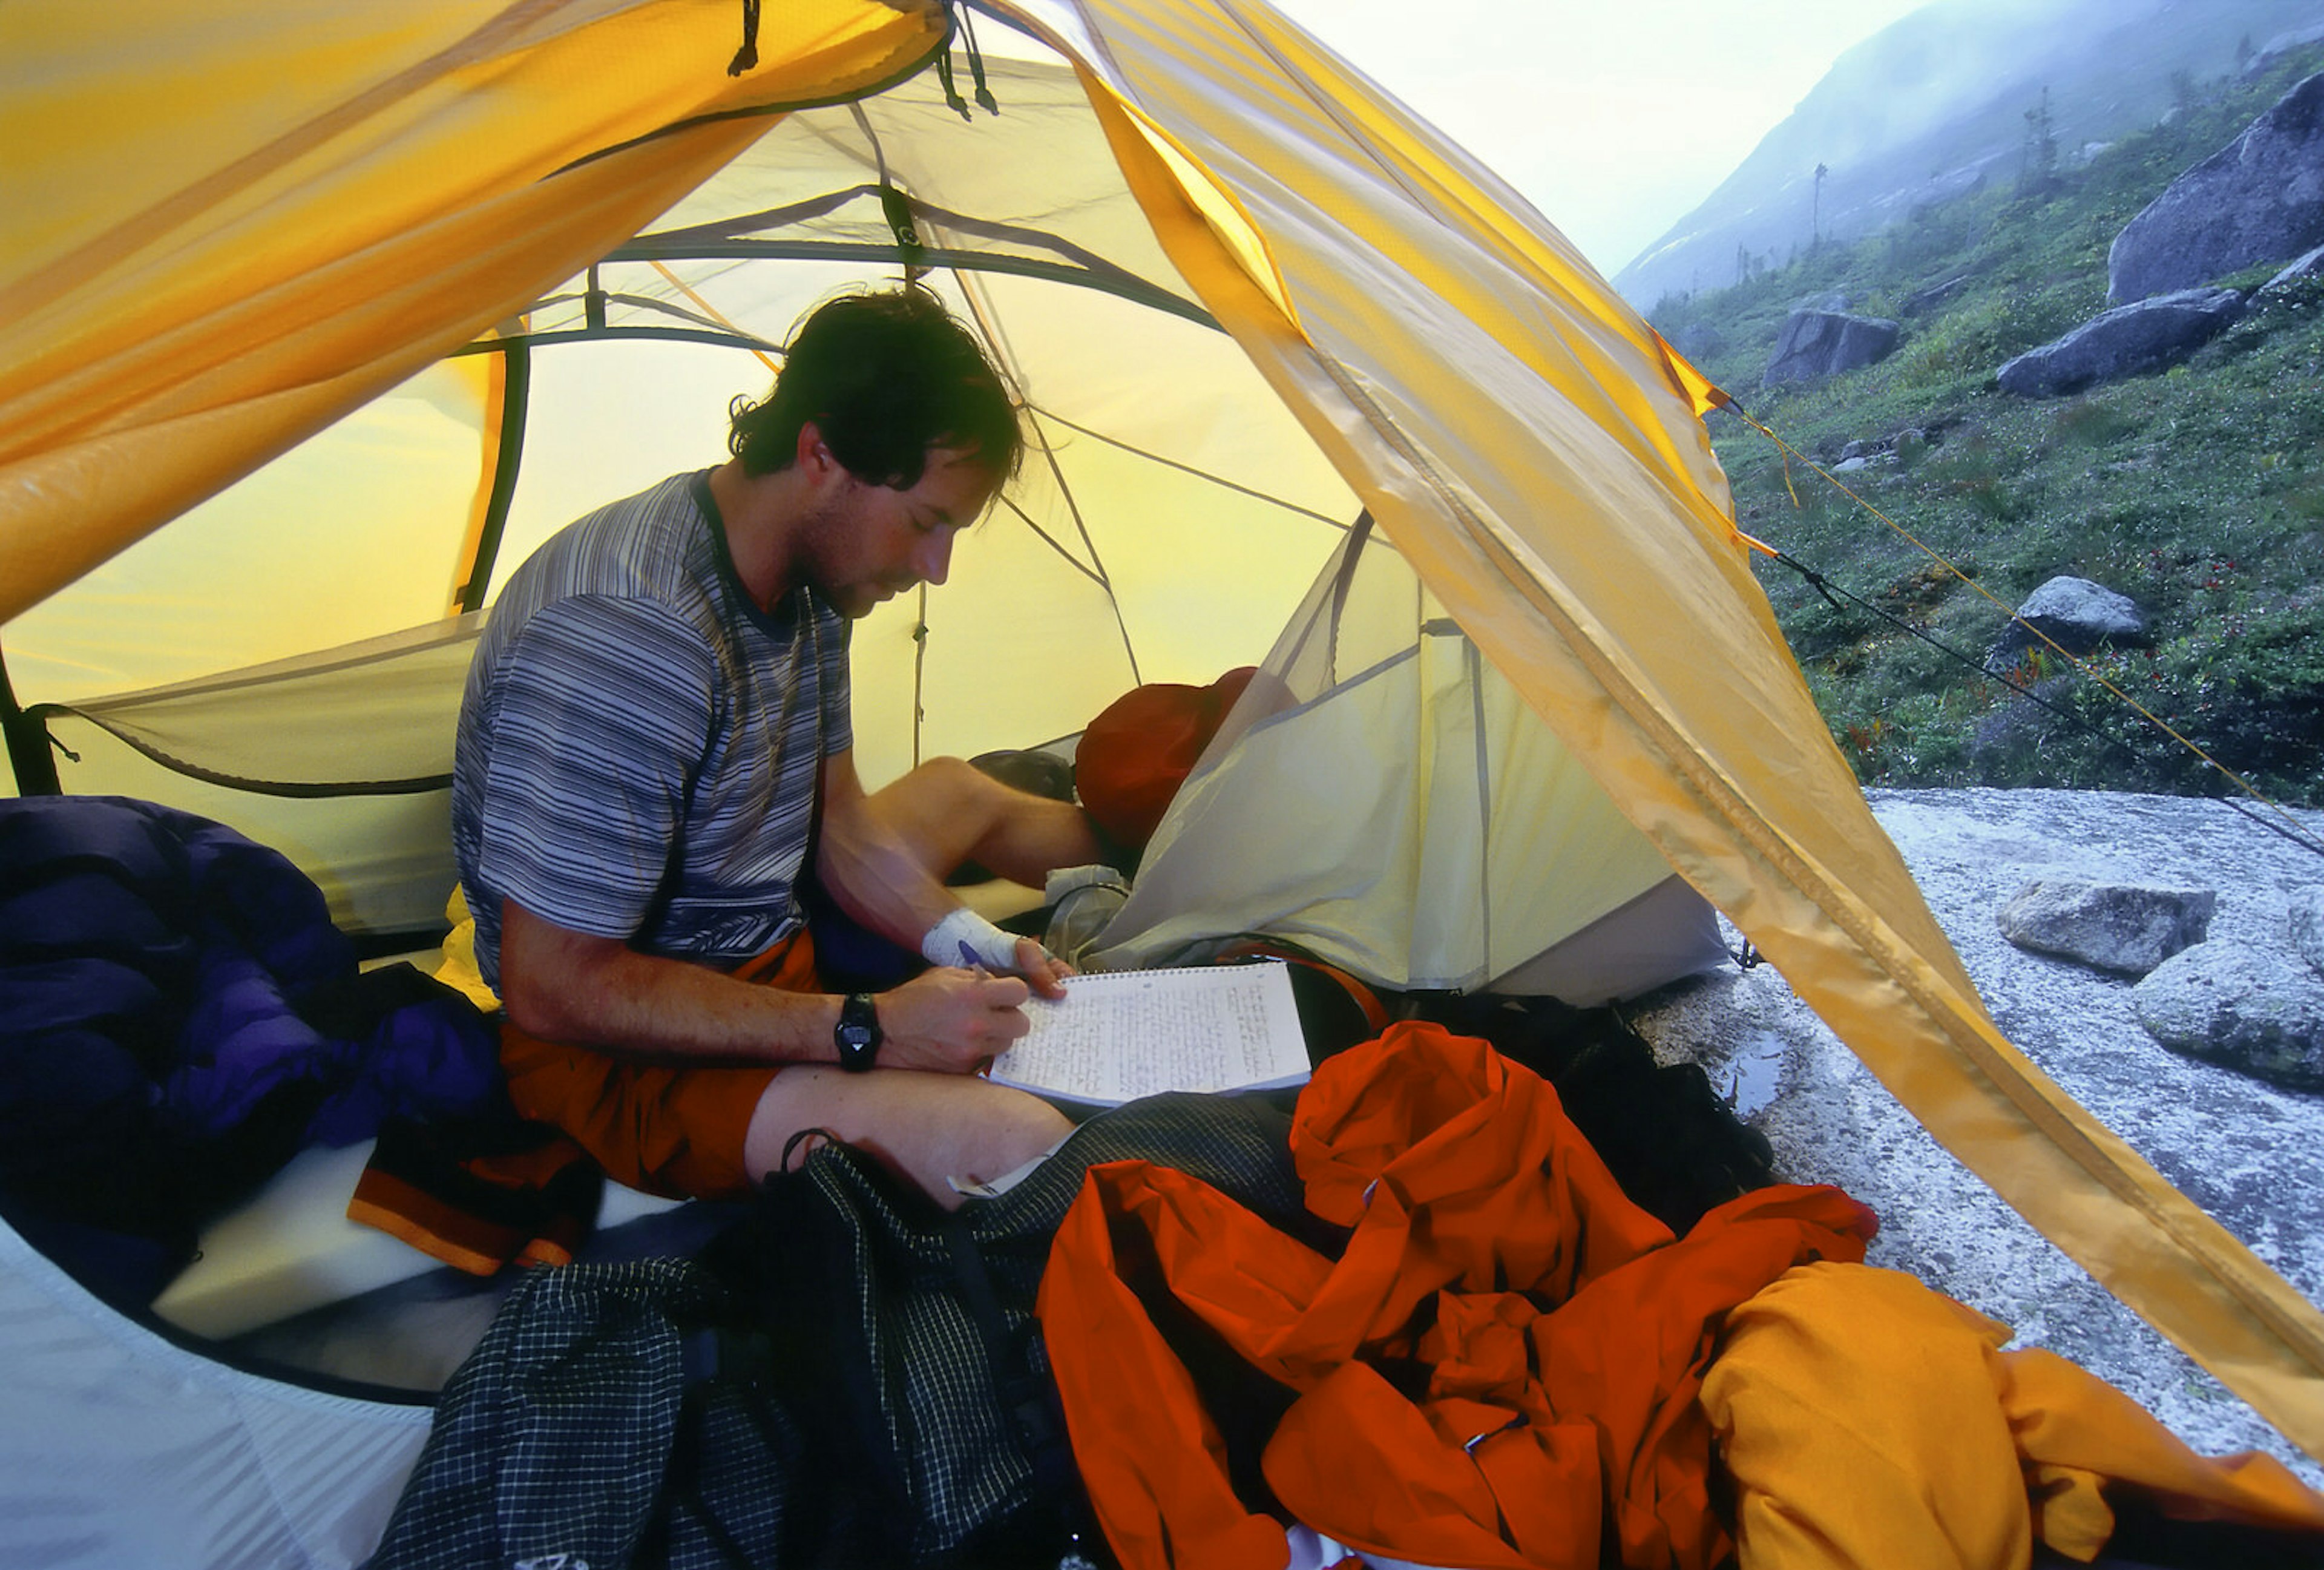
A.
pixel 858 1032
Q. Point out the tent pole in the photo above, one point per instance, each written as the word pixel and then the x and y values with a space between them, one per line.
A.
pixel 29 754
pixel 516 393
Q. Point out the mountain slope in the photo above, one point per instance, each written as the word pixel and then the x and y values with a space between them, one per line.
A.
pixel 1939 103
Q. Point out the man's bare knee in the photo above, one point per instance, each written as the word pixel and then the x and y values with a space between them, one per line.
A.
pixel 951 812
pixel 935 789
pixel 929 1128
pixel 940 810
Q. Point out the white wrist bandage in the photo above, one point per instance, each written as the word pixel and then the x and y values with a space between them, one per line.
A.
pixel 966 939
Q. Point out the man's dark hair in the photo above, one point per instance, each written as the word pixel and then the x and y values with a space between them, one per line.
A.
pixel 885 376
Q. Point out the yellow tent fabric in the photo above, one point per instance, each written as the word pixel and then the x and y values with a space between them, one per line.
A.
pixel 184 292
pixel 1528 445
pixel 1516 430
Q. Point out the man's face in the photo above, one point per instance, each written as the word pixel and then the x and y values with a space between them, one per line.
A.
pixel 870 543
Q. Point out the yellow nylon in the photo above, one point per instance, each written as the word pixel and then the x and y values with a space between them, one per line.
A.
pixel 1437 342
pixel 185 294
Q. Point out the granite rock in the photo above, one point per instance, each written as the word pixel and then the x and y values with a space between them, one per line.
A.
pixel 2258 1011
pixel 2243 1148
pixel 2073 613
pixel 2126 928
pixel 2305 918
pixel 2259 198
pixel 2130 340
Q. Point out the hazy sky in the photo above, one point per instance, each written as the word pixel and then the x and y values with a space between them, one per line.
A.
pixel 1615 117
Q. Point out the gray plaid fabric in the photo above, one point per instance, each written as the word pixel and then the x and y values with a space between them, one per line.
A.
pixel 551 1439
pixel 554 1436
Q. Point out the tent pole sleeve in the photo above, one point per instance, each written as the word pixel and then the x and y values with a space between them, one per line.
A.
pixel 29 754
pixel 516 392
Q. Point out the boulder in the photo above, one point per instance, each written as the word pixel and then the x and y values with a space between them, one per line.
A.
pixel 2073 613
pixel 2259 198
pixel 2256 1010
pixel 2129 340
pixel 2013 728
pixel 2282 44
pixel 2305 269
pixel 2126 928
pixel 2306 917
pixel 1815 344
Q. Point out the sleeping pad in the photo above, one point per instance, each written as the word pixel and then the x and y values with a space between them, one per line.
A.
pixel 179 1016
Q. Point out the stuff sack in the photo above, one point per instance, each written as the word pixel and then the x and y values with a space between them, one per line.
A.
pixel 1134 756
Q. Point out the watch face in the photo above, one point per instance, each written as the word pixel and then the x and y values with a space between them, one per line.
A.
pixel 858 1033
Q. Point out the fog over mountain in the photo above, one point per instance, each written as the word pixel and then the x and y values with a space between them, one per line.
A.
pixel 1954 94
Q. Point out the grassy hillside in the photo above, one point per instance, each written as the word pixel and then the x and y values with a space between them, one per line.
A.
pixel 2198 493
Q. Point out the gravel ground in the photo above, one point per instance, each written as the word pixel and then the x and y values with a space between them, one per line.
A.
pixel 2249 1153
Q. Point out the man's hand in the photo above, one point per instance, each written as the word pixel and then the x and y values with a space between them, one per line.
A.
pixel 1042 969
pixel 951 1020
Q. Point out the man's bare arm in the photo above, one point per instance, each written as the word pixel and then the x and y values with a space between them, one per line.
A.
pixel 566 987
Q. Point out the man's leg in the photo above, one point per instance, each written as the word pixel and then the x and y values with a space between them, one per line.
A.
pixel 928 1128
pixel 949 812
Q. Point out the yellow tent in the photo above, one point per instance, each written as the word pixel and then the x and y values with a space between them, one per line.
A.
pixel 502 261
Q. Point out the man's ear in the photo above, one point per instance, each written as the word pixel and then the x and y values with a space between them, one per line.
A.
pixel 814 455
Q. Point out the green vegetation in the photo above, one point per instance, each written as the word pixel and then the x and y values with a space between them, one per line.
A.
pixel 2199 492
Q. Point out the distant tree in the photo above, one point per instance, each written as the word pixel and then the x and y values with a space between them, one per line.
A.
pixel 1815 209
pixel 2244 53
pixel 2182 89
pixel 2038 161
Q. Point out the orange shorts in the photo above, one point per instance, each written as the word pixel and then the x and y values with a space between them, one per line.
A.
pixel 672 1129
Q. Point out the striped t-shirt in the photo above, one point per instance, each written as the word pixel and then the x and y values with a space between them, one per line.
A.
pixel 639 742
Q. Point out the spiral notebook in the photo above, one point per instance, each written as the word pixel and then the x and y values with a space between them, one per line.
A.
pixel 1120 1035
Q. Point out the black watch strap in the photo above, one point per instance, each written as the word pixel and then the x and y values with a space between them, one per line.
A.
pixel 858 1032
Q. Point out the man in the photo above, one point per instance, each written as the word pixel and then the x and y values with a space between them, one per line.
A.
pixel 655 738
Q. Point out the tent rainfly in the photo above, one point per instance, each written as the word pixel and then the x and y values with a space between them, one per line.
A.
pixel 361 300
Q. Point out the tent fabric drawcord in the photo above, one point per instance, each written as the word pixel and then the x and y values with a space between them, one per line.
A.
pixel 966 32
pixel 746 57
pixel 953 100
pixel 984 98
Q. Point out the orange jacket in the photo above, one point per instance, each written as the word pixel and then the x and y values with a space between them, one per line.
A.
pixel 1566 1332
